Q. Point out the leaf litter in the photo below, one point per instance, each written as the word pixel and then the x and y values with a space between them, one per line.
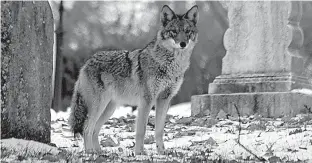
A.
pixel 190 138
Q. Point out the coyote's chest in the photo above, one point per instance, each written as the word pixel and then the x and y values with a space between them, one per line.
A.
pixel 173 69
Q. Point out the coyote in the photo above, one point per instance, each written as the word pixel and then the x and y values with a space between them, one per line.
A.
pixel 144 78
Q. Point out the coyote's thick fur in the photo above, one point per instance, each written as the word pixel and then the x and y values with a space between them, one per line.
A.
pixel 145 78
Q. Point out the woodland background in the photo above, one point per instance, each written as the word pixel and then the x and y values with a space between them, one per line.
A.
pixel 89 26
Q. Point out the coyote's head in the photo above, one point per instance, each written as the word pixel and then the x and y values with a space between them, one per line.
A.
pixel 178 31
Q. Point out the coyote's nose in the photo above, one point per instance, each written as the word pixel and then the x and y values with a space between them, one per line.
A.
pixel 182 44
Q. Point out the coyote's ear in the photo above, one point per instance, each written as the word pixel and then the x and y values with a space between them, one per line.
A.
pixel 192 14
pixel 166 15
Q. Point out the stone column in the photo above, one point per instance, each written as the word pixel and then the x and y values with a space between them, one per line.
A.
pixel 262 64
pixel 26 69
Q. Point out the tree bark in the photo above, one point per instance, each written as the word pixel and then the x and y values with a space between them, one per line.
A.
pixel 26 69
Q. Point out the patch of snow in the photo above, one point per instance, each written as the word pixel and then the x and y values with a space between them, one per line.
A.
pixel 53 115
pixel 303 91
pixel 181 110
pixel 33 147
pixel 60 115
pixel 122 111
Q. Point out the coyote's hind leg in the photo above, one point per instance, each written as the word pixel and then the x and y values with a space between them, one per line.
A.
pixel 108 112
pixel 98 106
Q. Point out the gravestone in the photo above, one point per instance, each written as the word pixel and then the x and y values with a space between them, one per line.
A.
pixel 26 69
pixel 262 66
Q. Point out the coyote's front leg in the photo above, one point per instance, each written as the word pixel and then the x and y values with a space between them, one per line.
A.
pixel 141 122
pixel 162 106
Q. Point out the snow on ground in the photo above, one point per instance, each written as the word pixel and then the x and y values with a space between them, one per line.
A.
pixel 265 138
pixel 181 110
pixel 288 139
pixel 122 111
pixel 27 150
pixel 59 115
pixel 20 145
pixel 303 91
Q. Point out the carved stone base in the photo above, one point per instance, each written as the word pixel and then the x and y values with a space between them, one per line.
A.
pixel 257 83
pixel 267 104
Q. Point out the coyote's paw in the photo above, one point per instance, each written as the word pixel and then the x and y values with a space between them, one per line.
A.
pixel 161 149
pixel 140 151
pixel 161 152
pixel 143 152
pixel 92 151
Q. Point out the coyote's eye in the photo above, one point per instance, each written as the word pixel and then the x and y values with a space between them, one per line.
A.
pixel 173 32
pixel 188 31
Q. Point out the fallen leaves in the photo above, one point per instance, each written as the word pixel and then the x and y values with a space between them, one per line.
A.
pixel 149 139
pixel 200 135
pixel 295 131
pixel 185 121
pixel 109 141
pixel 184 133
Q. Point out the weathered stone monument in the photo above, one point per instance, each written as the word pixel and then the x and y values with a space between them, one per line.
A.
pixel 262 65
pixel 26 69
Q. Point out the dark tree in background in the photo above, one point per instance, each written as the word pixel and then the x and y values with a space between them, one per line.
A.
pixel 26 69
pixel 59 68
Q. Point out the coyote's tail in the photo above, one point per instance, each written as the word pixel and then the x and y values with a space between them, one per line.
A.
pixel 78 113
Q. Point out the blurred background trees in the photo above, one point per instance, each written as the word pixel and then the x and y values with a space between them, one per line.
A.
pixel 109 25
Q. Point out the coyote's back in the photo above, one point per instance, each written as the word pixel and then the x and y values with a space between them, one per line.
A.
pixel 144 78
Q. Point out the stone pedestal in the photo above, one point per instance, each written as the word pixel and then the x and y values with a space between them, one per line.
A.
pixel 262 64
pixel 268 104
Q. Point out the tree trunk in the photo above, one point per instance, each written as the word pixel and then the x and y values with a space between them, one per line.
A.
pixel 57 95
pixel 26 69
pixel 220 13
